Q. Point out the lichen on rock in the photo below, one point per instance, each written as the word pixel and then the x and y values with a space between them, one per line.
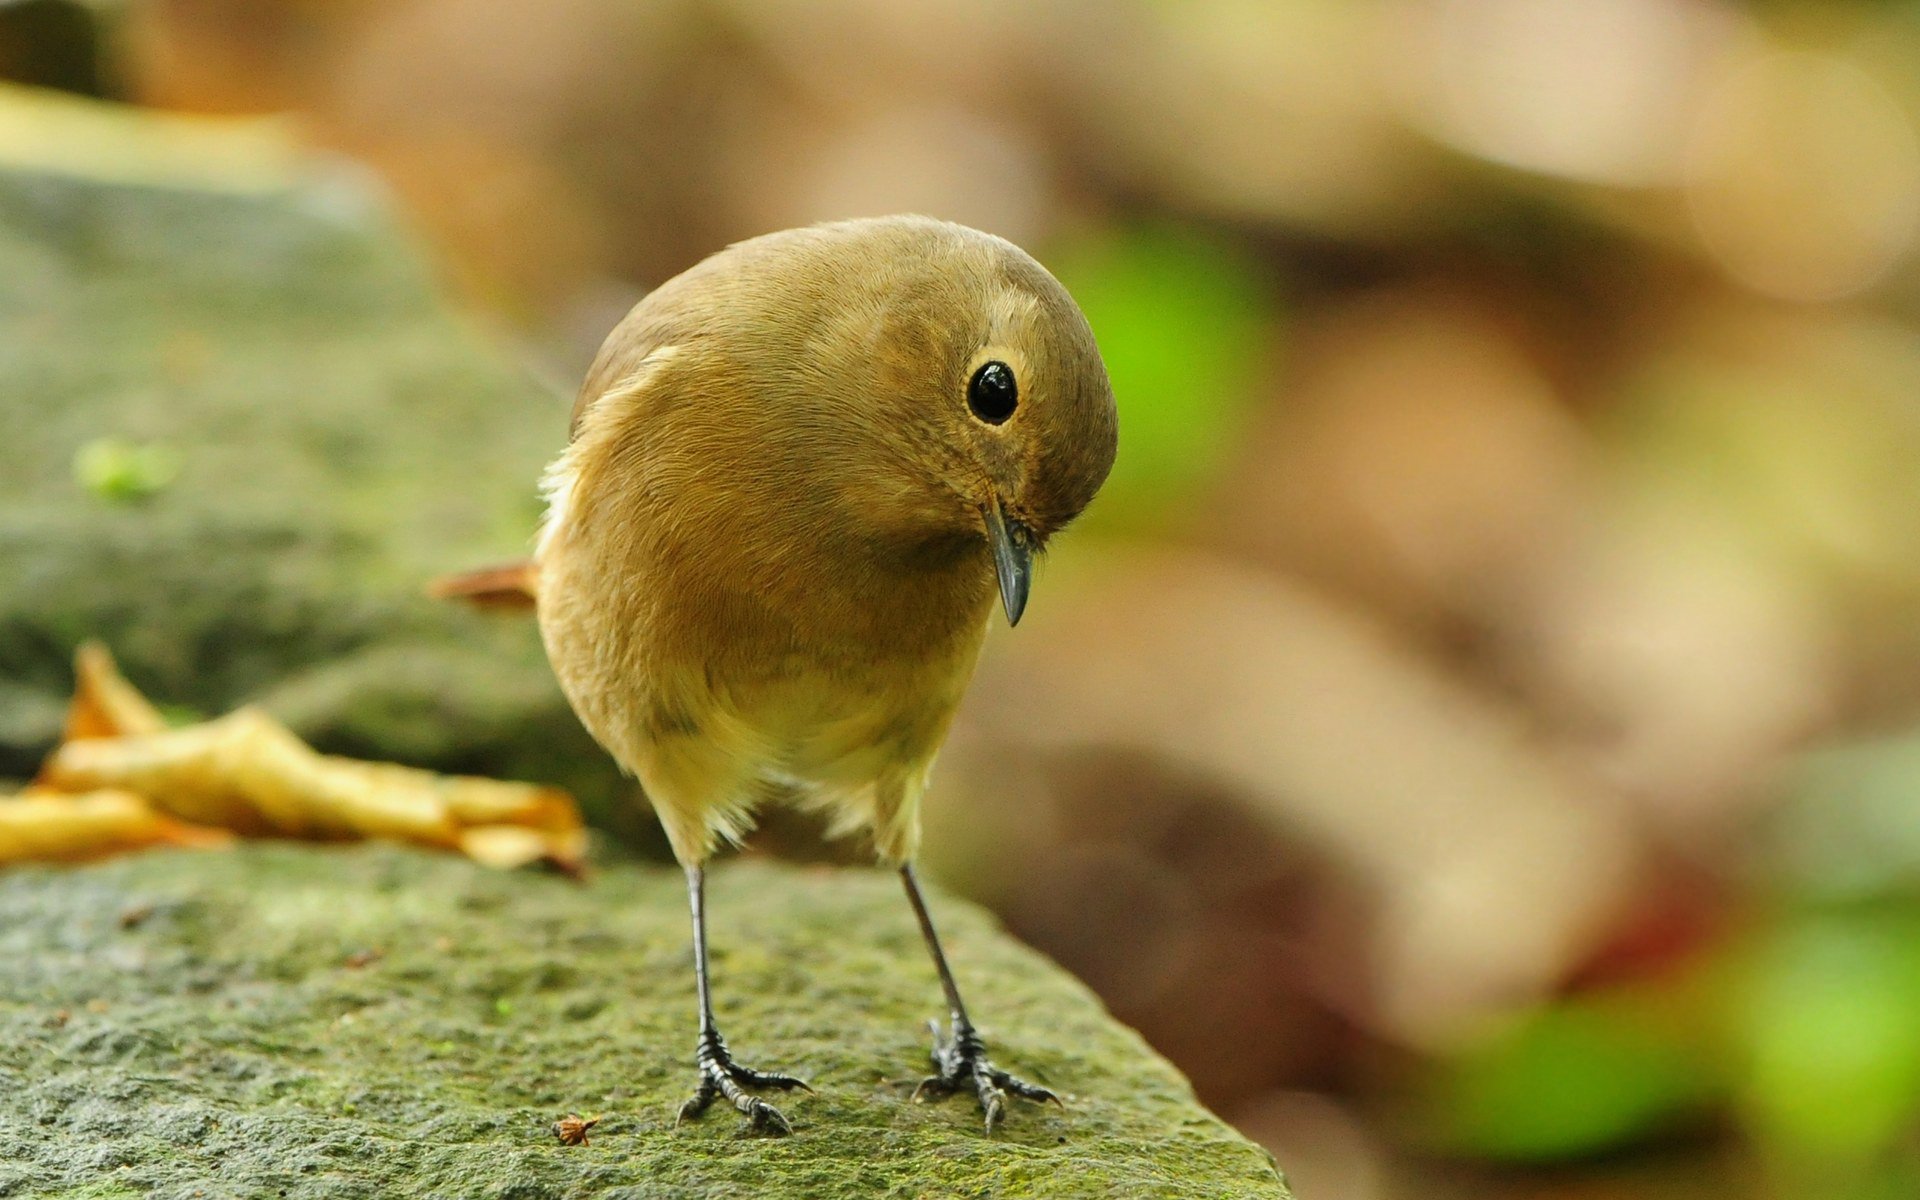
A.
pixel 367 1022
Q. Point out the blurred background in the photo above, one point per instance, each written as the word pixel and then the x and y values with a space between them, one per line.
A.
pixel 1476 734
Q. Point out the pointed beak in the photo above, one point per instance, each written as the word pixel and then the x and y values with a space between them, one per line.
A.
pixel 1012 561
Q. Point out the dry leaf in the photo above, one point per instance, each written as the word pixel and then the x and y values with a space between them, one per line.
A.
pixel 248 773
pixel 43 826
pixel 104 703
pixel 510 846
pixel 572 1129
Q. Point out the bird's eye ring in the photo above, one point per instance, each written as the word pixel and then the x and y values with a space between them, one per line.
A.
pixel 992 393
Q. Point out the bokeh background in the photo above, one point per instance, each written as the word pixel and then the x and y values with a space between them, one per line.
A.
pixel 1476 734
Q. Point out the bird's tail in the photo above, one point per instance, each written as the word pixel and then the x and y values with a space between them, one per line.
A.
pixel 508 586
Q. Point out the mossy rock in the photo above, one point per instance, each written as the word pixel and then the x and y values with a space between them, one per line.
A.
pixel 283 1020
pixel 243 429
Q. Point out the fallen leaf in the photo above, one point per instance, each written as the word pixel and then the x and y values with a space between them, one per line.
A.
pixel 509 846
pixel 44 826
pixel 249 773
pixel 104 703
pixel 121 779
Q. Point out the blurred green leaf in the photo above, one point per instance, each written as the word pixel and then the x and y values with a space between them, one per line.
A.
pixel 1830 1016
pixel 1183 321
pixel 1574 1080
pixel 124 472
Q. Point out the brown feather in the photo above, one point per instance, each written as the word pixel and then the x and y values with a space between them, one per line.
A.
pixel 765 565
pixel 509 586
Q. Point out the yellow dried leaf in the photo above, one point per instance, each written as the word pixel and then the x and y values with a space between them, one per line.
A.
pixel 248 773
pixel 41 826
pixel 189 773
pixel 104 703
pixel 304 794
pixel 509 846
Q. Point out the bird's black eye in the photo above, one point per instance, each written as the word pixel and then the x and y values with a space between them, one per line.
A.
pixel 992 394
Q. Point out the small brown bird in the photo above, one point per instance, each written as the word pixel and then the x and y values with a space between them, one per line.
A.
pixel 796 472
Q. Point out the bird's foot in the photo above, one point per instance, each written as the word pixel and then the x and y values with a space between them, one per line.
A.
pixel 962 1063
pixel 720 1077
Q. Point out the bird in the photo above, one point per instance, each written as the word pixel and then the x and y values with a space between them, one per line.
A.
pixel 798 476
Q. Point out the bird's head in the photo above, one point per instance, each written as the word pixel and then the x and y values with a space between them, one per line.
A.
pixel 1001 403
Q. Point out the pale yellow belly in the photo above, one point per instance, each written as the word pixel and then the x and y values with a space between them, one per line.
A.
pixel 860 752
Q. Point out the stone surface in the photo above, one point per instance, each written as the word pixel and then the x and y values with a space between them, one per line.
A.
pixel 375 1022
pixel 242 429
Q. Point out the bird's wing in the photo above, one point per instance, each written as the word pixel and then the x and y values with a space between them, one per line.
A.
pixel 717 296
pixel 672 313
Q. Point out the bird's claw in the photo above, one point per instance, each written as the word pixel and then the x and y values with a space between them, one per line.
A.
pixel 721 1077
pixel 960 1058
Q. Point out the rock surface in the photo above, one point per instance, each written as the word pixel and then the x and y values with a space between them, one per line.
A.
pixel 375 1022
pixel 242 429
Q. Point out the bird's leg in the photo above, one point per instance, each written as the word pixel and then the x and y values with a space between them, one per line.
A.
pixel 959 1056
pixel 719 1074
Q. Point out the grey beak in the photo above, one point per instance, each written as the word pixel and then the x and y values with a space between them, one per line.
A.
pixel 1012 561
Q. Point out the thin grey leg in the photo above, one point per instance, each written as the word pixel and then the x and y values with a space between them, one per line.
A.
pixel 959 1055
pixel 719 1074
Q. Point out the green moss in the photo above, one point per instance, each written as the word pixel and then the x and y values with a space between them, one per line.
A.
pixel 172 1024
pixel 242 431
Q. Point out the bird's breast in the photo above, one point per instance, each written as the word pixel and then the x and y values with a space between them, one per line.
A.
pixel 759 621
